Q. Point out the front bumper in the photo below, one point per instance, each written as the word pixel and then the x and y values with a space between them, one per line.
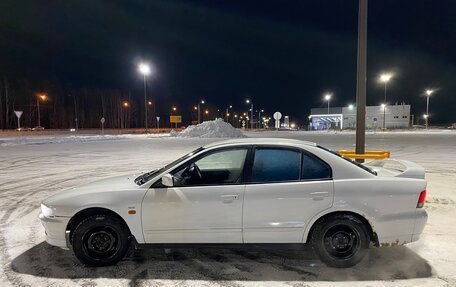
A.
pixel 55 230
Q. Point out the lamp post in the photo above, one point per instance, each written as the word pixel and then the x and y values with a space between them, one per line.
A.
pixel 259 118
pixel 248 101
pixel 124 117
pixel 384 78
pixel 144 69
pixel 227 114
pixel 199 111
pixel 428 94
pixel 328 99
pixel 42 97
pixel 75 111
pixel 384 115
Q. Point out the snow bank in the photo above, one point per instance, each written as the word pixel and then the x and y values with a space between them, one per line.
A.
pixel 210 129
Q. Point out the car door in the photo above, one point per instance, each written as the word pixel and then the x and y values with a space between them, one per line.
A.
pixel 285 189
pixel 204 208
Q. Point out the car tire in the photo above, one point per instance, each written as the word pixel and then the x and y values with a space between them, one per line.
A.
pixel 340 240
pixel 100 240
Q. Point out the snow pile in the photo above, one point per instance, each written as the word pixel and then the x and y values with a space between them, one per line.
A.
pixel 211 129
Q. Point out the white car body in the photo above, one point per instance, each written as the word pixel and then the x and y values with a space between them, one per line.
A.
pixel 282 212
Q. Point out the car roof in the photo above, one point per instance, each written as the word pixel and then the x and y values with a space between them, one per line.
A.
pixel 261 141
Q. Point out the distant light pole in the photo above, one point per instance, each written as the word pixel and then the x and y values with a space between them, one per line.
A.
pixel 384 78
pixel 42 97
pixel 199 111
pixel 75 111
pixel 428 94
pixel 126 105
pixel 248 101
pixel 328 99
pixel 384 115
pixel 259 117
pixel 145 70
pixel 227 114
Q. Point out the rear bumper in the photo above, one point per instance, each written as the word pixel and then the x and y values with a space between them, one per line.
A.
pixel 420 223
pixel 55 230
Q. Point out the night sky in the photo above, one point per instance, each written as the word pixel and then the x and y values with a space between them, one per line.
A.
pixel 282 54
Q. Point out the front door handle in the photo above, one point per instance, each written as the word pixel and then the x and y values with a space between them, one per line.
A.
pixel 228 198
pixel 319 195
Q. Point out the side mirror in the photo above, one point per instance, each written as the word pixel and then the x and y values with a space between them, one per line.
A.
pixel 167 180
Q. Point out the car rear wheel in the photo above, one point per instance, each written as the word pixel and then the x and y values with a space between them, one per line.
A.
pixel 340 240
pixel 100 240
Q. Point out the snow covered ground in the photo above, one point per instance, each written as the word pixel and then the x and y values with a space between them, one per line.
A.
pixel 33 169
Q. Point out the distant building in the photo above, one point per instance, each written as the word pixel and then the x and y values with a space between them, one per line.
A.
pixel 396 116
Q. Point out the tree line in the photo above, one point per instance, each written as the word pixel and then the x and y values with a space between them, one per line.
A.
pixel 62 108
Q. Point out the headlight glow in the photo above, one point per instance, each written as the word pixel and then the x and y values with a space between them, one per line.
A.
pixel 47 211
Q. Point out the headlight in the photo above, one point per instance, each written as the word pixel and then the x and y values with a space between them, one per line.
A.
pixel 47 211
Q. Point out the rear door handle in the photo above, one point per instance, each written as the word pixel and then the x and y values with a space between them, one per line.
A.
pixel 319 195
pixel 228 198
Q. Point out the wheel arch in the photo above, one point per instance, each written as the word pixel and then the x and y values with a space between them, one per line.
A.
pixel 84 213
pixel 372 234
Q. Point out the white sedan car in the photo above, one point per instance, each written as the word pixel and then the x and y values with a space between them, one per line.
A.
pixel 270 191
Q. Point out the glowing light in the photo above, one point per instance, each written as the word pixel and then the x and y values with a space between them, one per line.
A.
pixel 429 92
pixel 385 77
pixel 150 103
pixel 125 104
pixel 350 107
pixel 144 69
pixel 327 97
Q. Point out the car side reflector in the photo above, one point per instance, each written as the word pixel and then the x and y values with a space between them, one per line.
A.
pixel 421 199
pixel 132 211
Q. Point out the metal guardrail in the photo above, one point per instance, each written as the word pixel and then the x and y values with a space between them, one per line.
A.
pixel 373 154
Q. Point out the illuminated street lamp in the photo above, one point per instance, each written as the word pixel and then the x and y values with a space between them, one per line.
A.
pixel 42 97
pixel 384 115
pixel 350 107
pixel 145 70
pixel 328 99
pixel 126 104
pixel 385 78
pixel 428 94
pixel 259 117
pixel 248 101
pixel 199 113
pixel 227 114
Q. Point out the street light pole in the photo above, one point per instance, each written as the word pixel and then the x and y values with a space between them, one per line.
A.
pixel 145 70
pixel 38 107
pixel 385 79
pixel 42 97
pixel 328 98
pixel 199 111
pixel 145 101
pixel 75 111
pixel 384 115
pixel 251 112
pixel 428 94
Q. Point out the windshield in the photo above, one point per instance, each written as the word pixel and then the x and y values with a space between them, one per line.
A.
pixel 149 175
pixel 350 160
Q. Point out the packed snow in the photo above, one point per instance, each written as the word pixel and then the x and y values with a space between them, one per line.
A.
pixel 210 129
pixel 32 172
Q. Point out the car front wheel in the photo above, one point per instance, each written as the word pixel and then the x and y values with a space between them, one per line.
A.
pixel 100 240
pixel 340 240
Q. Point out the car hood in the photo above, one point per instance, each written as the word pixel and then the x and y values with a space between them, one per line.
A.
pixel 112 184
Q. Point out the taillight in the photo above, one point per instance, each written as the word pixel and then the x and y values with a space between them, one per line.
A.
pixel 422 199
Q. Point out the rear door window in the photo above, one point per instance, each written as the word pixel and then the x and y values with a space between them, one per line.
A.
pixel 275 165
